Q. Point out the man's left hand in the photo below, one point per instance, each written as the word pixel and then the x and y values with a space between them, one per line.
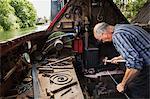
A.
pixel 120 87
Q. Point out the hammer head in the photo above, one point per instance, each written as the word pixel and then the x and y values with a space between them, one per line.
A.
pixel 105 60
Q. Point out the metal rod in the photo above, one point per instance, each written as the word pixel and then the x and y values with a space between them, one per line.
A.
pixel 57 61
pixel 10 73
pixel 64 87
pixel 66 92
pixel 116 83
pixel 36 91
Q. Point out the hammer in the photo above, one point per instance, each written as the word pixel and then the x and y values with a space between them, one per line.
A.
pixel 105 60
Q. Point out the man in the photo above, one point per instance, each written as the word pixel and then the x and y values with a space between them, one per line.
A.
pixel 133 44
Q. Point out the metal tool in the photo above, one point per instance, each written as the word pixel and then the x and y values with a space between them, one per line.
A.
pixel 109 61
pixel 61 79
pixel 10 72
pixel 35 82
pixel 67 58
pixel 56 67
pixel 66 92
pixel 64 87
pixel 116 83
pixel 46 70
pixel 104 73
pixel 58 45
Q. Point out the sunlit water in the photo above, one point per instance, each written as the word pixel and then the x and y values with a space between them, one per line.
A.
pixel 10 35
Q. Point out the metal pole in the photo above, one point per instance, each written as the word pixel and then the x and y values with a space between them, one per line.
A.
pixel 116 83
pixel 36 91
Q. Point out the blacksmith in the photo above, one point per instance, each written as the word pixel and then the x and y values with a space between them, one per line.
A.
pixel 133 44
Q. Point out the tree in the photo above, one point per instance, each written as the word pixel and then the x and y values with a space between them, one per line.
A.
pixel 8 19
pixel 25 11
pixel 15 14
pixel 1 28
pixel 130 7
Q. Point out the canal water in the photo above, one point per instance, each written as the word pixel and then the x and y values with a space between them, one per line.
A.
pixel 10 35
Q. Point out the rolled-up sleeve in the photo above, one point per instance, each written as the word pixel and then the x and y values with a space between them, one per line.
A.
pixel 124 45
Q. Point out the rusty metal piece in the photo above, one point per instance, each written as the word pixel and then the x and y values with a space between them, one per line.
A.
pixel 67 58
pixel 24 87
pixel 48 92
pixel 52 96
pixel 56 67
pixel 64 87
pixel 50 74
pixel 104 73
pixel 46 70
pixel 27 80
pixel 10 73
pixel 61 78
pixel 66 92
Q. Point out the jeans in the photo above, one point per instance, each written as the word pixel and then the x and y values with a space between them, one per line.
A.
pixel 139 87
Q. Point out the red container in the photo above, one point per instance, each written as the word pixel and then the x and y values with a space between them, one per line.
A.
pixel 78 45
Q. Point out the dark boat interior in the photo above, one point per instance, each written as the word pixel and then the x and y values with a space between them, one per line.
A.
pixel 64 61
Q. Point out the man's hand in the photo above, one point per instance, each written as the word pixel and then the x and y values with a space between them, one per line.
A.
pixel 115 59
pixel 120 87
pixel 130 74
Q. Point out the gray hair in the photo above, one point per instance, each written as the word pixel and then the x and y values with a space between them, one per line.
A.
pixel 100 27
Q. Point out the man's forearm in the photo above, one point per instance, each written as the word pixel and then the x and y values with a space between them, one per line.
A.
pixel 129 75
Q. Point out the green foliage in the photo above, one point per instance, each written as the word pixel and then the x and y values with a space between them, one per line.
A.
pixel 15 14
pixel 130 7
pixel 25 11
pixel 8 19
pixel 1 29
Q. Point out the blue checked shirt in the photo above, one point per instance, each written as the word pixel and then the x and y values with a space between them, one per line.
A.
pixel 133 43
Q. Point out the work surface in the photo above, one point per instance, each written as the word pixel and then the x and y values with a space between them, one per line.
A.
pixel 59 81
